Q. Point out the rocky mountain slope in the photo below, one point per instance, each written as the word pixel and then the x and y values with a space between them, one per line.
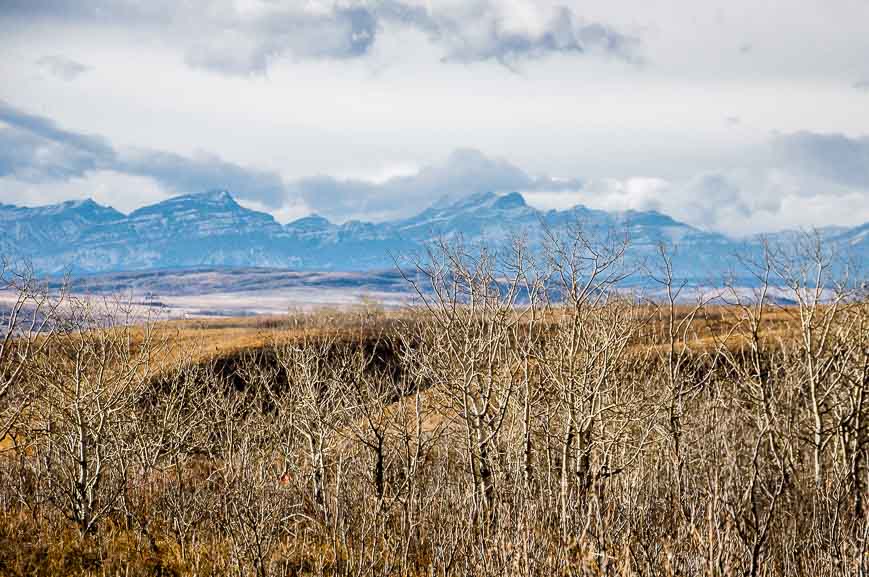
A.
pixel 212 230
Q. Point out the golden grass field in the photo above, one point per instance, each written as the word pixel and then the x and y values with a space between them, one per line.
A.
pixel 378 442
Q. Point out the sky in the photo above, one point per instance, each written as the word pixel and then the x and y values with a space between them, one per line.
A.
pixel 740 117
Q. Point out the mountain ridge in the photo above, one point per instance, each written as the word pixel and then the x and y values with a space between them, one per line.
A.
pixel 212 229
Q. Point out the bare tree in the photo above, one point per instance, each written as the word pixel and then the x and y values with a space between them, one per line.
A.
pixel 528 415
pixel 28 326
pixel 88 380
pixel 815 279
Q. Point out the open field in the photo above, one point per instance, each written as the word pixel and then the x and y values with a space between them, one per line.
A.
pixel 235 292
pixel 240 292
pixel 490 429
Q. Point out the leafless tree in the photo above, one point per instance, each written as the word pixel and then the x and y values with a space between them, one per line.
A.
pixel 28 325
pixel 88 379
pixel 528 415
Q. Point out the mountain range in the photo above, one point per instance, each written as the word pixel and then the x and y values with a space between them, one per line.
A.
pixel 212 230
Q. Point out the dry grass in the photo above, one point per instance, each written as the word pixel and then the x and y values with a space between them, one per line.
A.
pixel 329 444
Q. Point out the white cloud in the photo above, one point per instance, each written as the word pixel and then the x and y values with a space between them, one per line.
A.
pixel 123 192
pixel 464 172
pixel 35 149
pixel 827 172
pixel 62 67
pixel 246 37
pixel 736 202
pixel 381 93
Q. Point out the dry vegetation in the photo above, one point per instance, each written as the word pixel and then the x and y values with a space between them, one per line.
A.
pixel 524 419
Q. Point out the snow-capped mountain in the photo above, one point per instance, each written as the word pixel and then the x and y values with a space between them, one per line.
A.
pixel 856 238
pixel 46 227
pixel 212 229
pixel 494 219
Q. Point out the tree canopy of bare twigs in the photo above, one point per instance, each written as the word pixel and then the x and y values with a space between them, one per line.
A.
pixel 527 416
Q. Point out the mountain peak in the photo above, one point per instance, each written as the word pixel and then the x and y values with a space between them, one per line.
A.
pixel 650 218
pixel 86 208
pixel 510 200
pixel 209 201
pixel 218 196
pixel 66 205
pixel 83 203
pixel 211 228
pixel 311 221
pixel 488 200
pixel 314 217
pixel 475 200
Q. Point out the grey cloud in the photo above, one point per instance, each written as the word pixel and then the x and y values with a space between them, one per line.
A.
pixel 835 157
pixel 244 46
pixel 35 149
pixel 710 200
pixel 474 32
pixel 46 129
pixel 478 33
pixel 464 172
pixel 409 15
pixel 711 195
pixel 828 171
pixel 44 8
pixel 92 10
pixel 62 67
pixel 215 35
pixel 779 192
pixel 28 157
pixel 204 172
pixel 343 199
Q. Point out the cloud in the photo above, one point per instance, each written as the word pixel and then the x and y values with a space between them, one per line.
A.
pixel 799 180
pixel 124 192
pixel 862 85
pixel 225 36
pixel 34 149
pixel 834 157
pixel 475 31
pixel 610 194
pixel 708 197
pixel 104 11
pixel 248 45
pixel 509 33
pixel 829 173
pixel 236 38
pixel 45 129
pixel 62 67
pixel 204 172
pixel 465 172
pixel 702 200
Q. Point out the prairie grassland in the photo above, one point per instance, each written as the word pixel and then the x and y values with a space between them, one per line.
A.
pixel 488 431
